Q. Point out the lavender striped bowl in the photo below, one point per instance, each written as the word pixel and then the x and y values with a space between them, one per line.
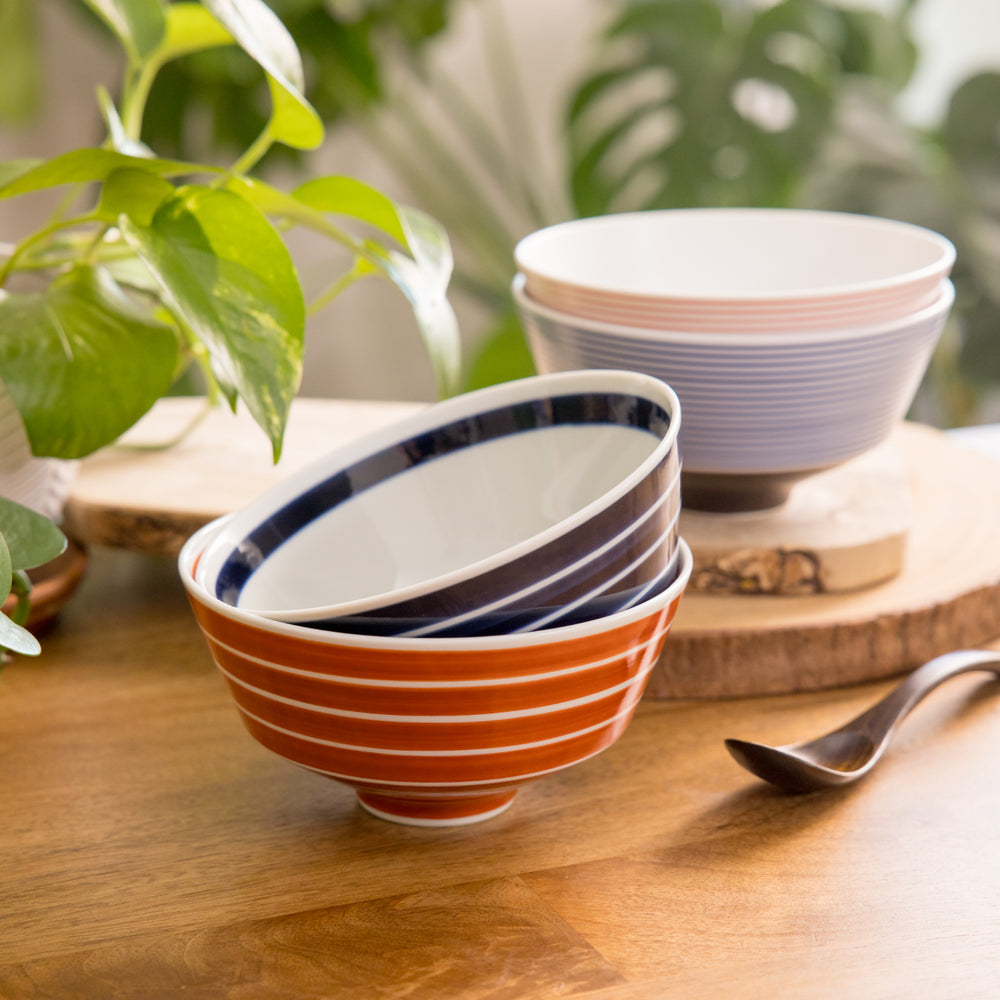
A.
pixel 761 411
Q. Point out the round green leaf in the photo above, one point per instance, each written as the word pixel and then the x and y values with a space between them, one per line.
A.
pixel 17 638
pixel 82 362
pixel 32 539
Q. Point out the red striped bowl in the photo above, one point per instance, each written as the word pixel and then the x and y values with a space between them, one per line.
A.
pixel 434 731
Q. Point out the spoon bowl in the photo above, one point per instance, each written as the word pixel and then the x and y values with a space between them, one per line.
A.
pixel 846 754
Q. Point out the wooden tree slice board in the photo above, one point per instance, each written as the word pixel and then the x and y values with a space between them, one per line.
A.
pixel 945 594
pixel 841 530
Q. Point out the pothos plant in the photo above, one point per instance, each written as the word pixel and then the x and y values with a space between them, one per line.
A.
pixel 148 265
pixel 27 539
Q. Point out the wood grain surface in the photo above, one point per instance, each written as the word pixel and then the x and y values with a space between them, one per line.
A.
pixel 144 497
pixel 150 848
pixel 840 530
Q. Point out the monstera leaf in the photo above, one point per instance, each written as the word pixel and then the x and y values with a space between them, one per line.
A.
pixel 719 103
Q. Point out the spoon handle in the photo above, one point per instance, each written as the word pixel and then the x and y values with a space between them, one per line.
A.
pixel 879 721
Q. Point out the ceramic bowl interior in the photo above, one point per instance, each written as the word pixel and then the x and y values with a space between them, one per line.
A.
pixel 529 495
pixel 735 269
pixel 761 411
pixel 433 731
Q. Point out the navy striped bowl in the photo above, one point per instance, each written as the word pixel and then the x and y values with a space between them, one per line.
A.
pixel 535 503
pixel 761 411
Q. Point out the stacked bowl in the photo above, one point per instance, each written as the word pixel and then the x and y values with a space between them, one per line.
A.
pixel 795 339
pixel 459 603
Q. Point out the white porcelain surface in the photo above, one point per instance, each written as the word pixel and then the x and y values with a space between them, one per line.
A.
pixel 735 269
pixel 445 515
pixel 485 507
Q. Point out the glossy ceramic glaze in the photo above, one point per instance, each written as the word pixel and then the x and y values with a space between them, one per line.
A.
pixel 735 269
pixel 434 731
pixel 533 498
pixel 780 404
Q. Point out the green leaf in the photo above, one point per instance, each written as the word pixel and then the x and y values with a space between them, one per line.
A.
pixel 132 192
pixel 225 272
pixel 12 169
pixel 262 35
pixel 347 196
pixel 138 24
pixel 190 28
pixel 82 362
pixel 31 538
pixel 504 355
pixel 17 638
pixel 429 246
pixel 81 166
pixel 12 636
pixel 877 45
pixel 423 279
pixel 698 102
pixel 971 129
pixel 293 119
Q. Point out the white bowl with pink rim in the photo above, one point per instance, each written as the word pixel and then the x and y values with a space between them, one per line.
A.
pixel 433 731
pixel 735 269
pixel 761 411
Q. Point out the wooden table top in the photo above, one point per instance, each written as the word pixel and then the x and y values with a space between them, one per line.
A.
pixel 150 848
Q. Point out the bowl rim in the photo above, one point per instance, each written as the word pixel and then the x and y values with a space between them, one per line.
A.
pixel 465 404
pixel 193 548
pixel 941 305
pixel 942 265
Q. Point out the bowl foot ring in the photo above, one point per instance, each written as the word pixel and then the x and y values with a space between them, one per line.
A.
pixel 441 811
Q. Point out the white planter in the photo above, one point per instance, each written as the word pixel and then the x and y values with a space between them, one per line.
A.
pixel 43 484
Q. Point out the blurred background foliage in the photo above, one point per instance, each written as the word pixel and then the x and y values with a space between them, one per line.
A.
pixel 677 103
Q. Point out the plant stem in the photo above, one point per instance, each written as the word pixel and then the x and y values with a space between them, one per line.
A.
pixel 344 281
pixel 188 428
pixel 21 589
pixel 37 237
pixel 135 93
pixel 254 152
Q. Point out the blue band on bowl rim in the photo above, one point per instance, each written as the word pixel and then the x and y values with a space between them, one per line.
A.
pixel 620 409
